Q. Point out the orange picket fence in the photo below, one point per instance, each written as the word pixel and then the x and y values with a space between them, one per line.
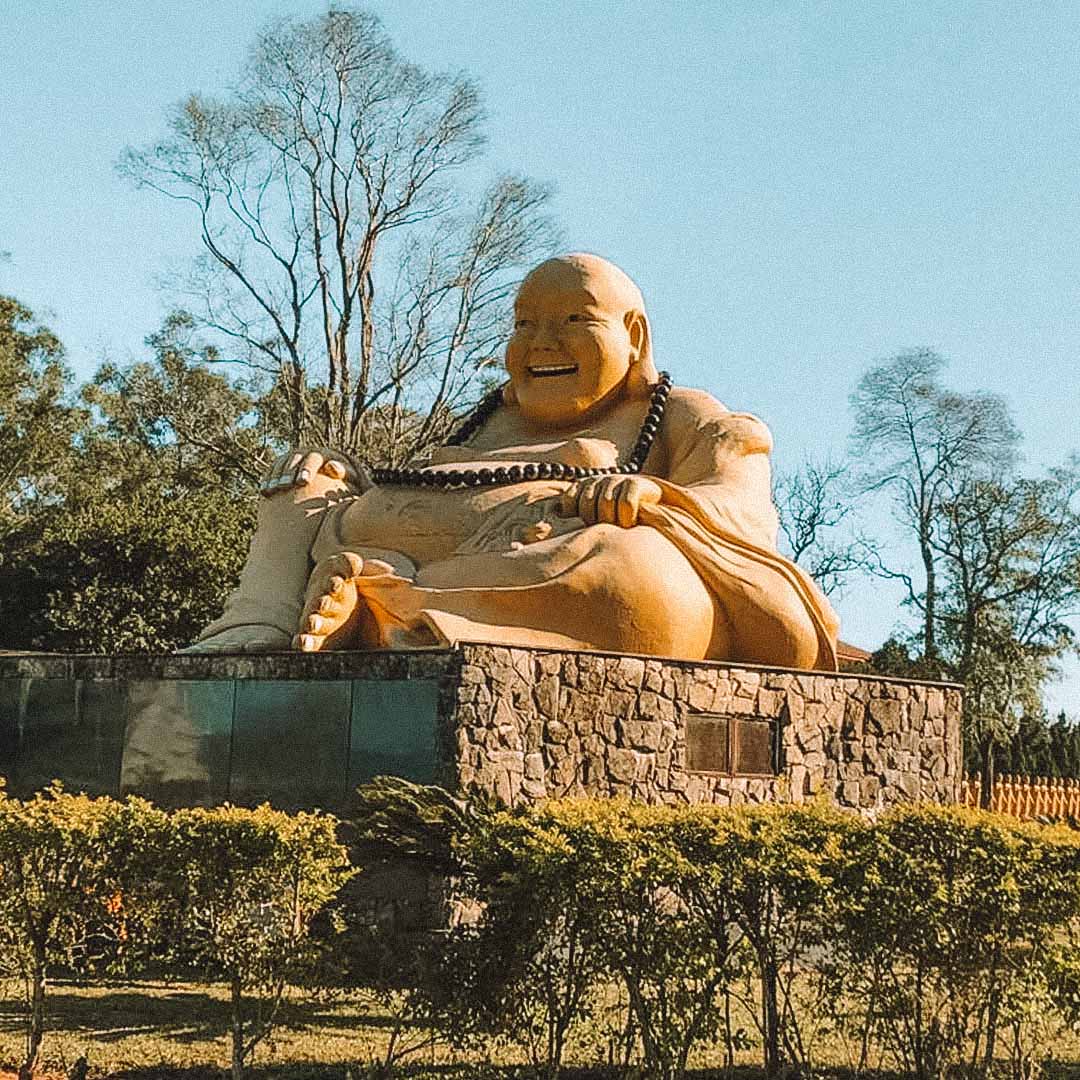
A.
pixel 1026 796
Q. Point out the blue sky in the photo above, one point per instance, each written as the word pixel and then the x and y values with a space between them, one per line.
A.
pixel 799 188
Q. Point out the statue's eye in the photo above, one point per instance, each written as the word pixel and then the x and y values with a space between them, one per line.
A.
pixel 522 324
pixel 576 317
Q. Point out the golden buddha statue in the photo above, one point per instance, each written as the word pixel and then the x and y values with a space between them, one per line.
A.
pixel 587 504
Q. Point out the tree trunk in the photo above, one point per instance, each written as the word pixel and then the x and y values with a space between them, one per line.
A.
pixel 36 1030
pixel 770 1015
pixel 986 774
pixel 930 612
pixel 236 1000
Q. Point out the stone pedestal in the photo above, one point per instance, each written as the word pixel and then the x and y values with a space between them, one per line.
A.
pixel 303 730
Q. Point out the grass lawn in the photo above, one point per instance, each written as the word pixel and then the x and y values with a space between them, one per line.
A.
pixel 180 1031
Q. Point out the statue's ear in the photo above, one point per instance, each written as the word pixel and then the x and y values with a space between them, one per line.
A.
pixel 509 393
pixel 643 374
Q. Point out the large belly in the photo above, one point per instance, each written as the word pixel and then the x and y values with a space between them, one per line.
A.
pixel 429 525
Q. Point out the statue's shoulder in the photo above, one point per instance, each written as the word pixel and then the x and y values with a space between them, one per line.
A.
pixel 697 411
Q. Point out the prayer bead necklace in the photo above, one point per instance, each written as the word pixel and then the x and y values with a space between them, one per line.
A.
pixel 540 470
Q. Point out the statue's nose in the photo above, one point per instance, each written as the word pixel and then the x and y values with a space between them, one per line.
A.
pixel 545 336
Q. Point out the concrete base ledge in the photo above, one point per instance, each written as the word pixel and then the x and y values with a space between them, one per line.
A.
pixel 303 730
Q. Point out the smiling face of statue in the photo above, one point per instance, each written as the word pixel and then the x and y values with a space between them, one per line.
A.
pixel 578 330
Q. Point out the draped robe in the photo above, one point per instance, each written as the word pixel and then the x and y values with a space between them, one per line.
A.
pixel 501 565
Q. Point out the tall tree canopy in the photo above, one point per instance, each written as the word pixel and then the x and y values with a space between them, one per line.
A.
pixel 913 438
pixel 343 258
pixel 37 421
pixel 999 551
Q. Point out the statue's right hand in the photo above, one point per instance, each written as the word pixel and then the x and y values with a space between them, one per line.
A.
pixel 316 466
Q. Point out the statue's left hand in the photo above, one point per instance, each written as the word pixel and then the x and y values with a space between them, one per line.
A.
pixel 298 468
pixel 611 500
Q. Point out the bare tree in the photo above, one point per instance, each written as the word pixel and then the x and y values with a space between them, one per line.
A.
pixel 340 255
pixel 814 503
pixel 916 440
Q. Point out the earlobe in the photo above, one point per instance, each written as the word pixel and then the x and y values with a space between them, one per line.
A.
pixel 642 369
pixel 635 325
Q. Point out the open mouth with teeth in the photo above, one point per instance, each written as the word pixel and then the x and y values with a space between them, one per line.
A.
pixel 547 371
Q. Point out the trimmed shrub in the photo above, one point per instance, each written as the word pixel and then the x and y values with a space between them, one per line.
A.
pixel 250 882
pixel 943 945
pixel 62 888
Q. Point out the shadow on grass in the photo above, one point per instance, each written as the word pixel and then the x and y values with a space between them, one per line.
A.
pixel 180 1014
pixel 436 1072
pixel 485 1072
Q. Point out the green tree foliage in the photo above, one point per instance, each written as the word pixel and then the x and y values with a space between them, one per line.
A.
pixel 143 573
pixel 1010 554
pixel 37 421
pixel 135 543
pixel 177 420
pixel 1040 746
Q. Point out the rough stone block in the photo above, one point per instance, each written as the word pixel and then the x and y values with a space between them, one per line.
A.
pixel 884 715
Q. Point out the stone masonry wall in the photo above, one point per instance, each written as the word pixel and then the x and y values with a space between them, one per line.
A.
pixel 530 724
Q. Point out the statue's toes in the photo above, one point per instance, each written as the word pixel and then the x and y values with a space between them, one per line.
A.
pixel 325 605
pixel 308 642
pixel 317 624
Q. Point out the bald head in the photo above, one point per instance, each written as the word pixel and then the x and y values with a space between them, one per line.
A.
pixel 581 339
pixel 593 273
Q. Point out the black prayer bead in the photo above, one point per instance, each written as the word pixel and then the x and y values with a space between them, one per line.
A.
pixel 513 474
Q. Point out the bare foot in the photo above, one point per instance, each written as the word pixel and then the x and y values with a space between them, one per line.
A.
pixel 334 616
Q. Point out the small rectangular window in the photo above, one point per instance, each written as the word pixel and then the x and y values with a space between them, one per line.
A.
pixel 752 747
pixel 733 745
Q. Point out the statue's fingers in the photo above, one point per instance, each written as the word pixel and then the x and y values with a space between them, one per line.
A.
pixel 587 502
pixel 628 504
pixel 307 467
pixel 341 466
pixel 279 467
pixel 308 642
pixel 568 502
pixel 607 505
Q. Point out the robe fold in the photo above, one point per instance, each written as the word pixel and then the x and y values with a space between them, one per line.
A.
pixel 716 512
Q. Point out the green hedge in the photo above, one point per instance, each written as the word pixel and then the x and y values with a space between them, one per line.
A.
pixel 935 941
pixel 100 886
